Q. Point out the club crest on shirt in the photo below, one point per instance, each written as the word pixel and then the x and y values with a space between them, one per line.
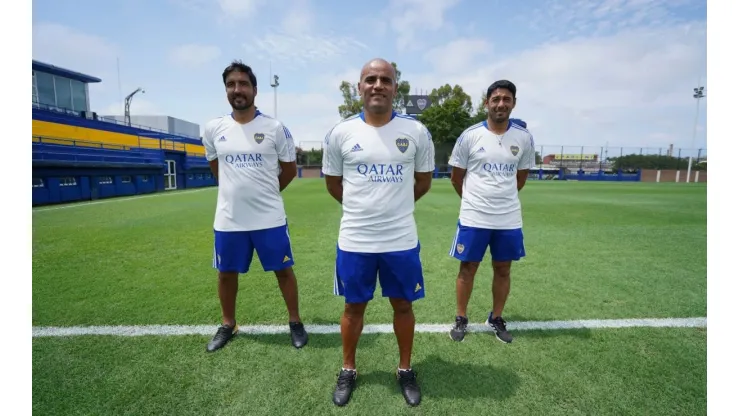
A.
pixel 402 144
pixel 514 150
pixel 259 137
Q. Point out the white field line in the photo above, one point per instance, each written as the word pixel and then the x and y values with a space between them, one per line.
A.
pixel 128 198
pixel 169 330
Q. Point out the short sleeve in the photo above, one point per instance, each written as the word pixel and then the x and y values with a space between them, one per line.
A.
pixel 332 163
pixel 284 144
pixel 461 152
pixel 208 143
pixel 527 161
pixel 424 160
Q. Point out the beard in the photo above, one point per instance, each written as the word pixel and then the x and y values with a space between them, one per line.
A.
pixel 241 102
pixel 499 116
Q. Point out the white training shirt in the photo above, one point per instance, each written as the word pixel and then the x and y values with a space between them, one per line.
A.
pixel 377 166
pixel 490 198
pixel 248 189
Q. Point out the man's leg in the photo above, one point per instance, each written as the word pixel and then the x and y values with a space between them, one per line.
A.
pixel 232 254
pixel 355 276
pixel 276 254
pixel 506 246
pixel 228 286
pixel 352 322
pixel 469 246
pixel 402 281
pixel 289 289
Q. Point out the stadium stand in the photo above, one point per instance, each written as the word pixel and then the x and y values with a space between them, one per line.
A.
pixel 79 156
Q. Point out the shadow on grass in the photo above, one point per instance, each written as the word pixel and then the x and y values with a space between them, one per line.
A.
pixel 439 378
pixel 322 341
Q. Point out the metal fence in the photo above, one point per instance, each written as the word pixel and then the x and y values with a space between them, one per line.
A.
pixel 585 158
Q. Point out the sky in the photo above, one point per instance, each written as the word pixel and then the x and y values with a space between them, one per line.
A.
pixel 589 72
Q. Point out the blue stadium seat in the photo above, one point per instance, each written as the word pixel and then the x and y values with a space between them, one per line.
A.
pixel 89 155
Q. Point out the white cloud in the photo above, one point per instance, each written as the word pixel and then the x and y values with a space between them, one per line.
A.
pixel 240 8
pixel 562 20
pixel 223 10
pixel 299 17
pixel 592 90
pixel 464 50
pixel 194 54
pixel 299 50
pixel 73 49
pixel 410 17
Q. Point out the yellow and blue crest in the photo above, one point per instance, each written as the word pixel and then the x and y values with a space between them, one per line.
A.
pixel 402 144
pixel 259 137
pixel 514 150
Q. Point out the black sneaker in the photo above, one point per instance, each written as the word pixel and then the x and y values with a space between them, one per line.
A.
pixel 499 327
pixel 409 388
pixel 345 386
pixel 224 334
pixel 457 333
pixel 298 334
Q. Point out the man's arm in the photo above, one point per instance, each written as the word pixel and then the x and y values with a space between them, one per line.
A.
pixel 210 148
pixel 525 163
pixel 334 186
pixel 457 178
pixel 521 178
pixel 285 147
pixel 459 162
pixel 214 168
pixel 332 166
pixel 423 164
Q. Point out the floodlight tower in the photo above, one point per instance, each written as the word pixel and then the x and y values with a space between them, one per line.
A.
pixel 698 95
pixel 274 84
pixel 127 106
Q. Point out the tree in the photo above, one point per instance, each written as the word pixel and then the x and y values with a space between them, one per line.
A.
pixel 353 102
pixel 635 161
pixel 450 113
pixel 481 112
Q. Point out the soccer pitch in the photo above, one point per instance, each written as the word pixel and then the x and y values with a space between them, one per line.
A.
pixel 595 251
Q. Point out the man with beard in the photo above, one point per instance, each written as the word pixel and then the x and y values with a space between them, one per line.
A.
pixel 253 158
pixel 377 164
pixel 490 163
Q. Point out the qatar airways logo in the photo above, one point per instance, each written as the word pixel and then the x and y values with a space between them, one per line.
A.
pixel 245 160
pixel 499 169
pixel 381 172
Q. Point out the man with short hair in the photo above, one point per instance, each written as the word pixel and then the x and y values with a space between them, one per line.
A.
pixel 377 164
pixel 253 158
pixel 490 163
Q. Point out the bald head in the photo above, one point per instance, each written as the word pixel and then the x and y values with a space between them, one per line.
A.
pixel 378 86
pixel 379 65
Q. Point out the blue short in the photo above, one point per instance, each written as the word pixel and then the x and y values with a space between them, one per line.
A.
pixel 470 244
pixel 233 250
pixel 399 272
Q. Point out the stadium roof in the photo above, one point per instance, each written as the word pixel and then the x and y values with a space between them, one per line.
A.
pixel 55 70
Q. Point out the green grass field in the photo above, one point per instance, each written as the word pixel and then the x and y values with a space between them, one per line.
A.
pixel 594 251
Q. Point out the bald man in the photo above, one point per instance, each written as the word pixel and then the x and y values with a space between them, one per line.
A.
pixel 377 164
